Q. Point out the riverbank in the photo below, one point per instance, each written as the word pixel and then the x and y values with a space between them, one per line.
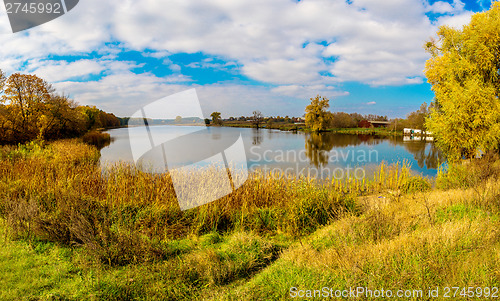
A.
pixel 70 231
pixel 380 131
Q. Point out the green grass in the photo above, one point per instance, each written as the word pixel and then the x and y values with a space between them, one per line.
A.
pixel 71 232
pixel 38 270
pixel 283 126
pixel 381 131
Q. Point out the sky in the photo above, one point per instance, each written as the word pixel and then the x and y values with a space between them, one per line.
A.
pixel 366 56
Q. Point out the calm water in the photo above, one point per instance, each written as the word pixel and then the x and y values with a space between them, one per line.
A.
pixel 320 155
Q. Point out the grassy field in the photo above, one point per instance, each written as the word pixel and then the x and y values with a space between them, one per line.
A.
pixel 283 126
pixel 70 231
pixel 381 131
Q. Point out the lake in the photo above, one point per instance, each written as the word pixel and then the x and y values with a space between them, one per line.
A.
pixel 322 155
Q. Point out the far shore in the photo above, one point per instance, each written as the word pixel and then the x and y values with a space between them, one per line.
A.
pixel 287 127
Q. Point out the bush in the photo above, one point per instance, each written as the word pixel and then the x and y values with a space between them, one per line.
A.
pixel 469 174
pixel 97 139
pixel 415 184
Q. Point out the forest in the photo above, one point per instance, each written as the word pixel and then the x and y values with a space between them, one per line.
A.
pixel 31 108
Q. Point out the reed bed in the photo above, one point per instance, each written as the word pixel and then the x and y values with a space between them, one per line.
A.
pixel 59 193
pixel 130 240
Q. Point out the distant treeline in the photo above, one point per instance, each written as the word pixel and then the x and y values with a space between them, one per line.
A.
pixel 31 109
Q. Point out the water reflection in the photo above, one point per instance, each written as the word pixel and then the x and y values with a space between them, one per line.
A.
pixel 318 146
pixel 257 136
pixel 298 150
pixel 425 153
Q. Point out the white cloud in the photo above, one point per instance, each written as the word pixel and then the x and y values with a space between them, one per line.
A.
pixel 456 21
pixel 371 103
pixel 306 92
pixel 55 71
pixel 126 92
pixel 305 46
pixel 442 7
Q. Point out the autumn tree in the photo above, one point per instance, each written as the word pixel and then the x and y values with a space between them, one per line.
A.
pixel 317 116
pixel 257 118
pixel 61 118
pixel 25 97
pixel 216 118
pixel 31 109
pixel 2 80
pixel 416 120
pixel 464 74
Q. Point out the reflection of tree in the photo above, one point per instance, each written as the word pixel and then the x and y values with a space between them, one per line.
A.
pixel 317 147
pixel 216 136
pixel 256 136
pixel 429 159
pixel 424 152
pixel 100 144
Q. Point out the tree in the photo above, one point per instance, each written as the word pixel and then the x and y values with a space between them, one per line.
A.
pixel 61 118
pixel 416 120
pixel 2 80
pixel 464 74
pixel 207 121
pixel 317 116
pixel 216 118
pixel 25 97
pixel 342 120
pixel 178 119
pixel 257 118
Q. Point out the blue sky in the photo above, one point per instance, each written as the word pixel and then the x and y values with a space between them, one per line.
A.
pixel 366 56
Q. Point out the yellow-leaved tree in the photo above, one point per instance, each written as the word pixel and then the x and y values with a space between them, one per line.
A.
pixel 317 116
pixel 464 74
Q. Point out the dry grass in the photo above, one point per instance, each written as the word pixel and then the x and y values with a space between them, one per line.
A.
pixel 428 239
pixel 273 233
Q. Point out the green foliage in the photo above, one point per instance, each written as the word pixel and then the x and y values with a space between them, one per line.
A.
pixel 469 173
pixel 415 184
pixel 416 120
pixel 216 119
pixel 463 71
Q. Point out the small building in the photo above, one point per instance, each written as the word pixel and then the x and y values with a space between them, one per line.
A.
pixel 377 123
pixel 407 131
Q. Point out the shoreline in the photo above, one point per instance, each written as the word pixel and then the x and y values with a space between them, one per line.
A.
pixel 292 128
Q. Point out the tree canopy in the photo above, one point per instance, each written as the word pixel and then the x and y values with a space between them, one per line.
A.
pixel 257 118
pixel 464 74
pixel 216 118
pixel 317 116
pixel 31 109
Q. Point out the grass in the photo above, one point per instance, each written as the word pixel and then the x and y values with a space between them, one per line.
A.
pixel 380 131
pixel 77 232
pixel 97 138
pixel 284 126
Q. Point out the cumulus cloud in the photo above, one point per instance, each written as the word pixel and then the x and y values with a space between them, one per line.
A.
pixel 301 48
pixel 306 92
pixel 127 92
